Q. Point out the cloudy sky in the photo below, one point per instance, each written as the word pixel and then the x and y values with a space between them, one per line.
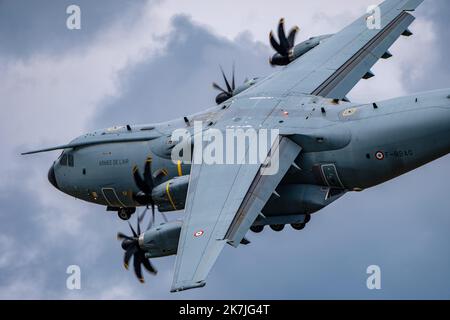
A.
pixel 147 61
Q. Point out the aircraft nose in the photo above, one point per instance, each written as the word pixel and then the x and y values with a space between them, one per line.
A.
pixel 52 177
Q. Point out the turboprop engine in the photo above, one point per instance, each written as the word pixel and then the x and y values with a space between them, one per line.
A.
pixel 285 47
pixel 161 240
pixel 171 195
pixel 156 241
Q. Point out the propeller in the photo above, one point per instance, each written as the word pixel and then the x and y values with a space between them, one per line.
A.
pixel 132 249
pixel 145 184
pixel 227 93
pixel 284 47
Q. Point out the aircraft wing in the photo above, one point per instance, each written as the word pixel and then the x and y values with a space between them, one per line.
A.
pixel 334 67
pixel 222 203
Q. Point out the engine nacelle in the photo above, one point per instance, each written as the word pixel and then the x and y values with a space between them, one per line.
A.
pixel 298 51
pixel 162 240
pixel 171 195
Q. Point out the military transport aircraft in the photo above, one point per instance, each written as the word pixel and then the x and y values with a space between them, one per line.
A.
pixel 327 146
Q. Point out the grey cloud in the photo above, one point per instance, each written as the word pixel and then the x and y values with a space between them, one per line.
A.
pixel 40 27
pixel 178 82
pixel 438 73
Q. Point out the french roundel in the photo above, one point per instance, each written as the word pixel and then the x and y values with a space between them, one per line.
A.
pixel 198 233
pixel 379 155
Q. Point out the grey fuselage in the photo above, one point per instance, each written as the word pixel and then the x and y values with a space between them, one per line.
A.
pixel 345 147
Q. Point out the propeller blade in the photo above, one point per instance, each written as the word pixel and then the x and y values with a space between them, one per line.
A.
pixel 121 236
pixel 139 181
pixel 148 265
pixel 275 44
pixel 148 178
pixel 127 256
pixel 132 230
pixel 152 220
pixel 142 216
pixel 291 37
pixel 137 267
pixel 226 81
pixel 233 85
pixel 217 87
pixel 282 36
pixel 138 225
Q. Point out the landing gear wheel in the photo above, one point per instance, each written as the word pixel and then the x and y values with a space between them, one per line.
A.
pixel 125 213
pixel 257 229
pixel 277 227
pixel 307 218
pixel 298 226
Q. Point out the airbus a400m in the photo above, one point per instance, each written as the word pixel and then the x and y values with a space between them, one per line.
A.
pixel 327 146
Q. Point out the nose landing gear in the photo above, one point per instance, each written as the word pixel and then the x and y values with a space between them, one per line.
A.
pixel 122 213
pixel 125 213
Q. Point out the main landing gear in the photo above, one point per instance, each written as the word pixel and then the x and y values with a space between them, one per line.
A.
pixel 280 227
pixel 277 227
pixel 257 229
pixel 301 226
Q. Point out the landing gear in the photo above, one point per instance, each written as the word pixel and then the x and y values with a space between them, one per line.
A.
pixel 280 227
pixel 301 226
pixel 307 218
pixel 277 227
pixel 298 226
pixel 125 213
pixel 257 229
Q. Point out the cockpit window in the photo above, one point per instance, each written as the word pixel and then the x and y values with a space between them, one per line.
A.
pixel 63 160
pixel 67 159
pixel 70 160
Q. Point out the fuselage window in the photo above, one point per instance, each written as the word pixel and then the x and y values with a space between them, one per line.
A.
pixel 70 160
pixel 63 160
